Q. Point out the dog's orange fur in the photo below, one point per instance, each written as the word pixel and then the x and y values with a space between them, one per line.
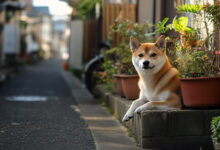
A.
pixel 162 83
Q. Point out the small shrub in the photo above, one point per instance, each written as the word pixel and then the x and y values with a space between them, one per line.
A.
pixel 215 127
pixel 86 8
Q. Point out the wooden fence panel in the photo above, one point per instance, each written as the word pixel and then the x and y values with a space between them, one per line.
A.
pixel 117 12
pixel 92 36
pixel 112 11
pixel 217 45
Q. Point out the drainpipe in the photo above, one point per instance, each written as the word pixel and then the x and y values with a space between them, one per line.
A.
pixel 154 13
pixel 137 12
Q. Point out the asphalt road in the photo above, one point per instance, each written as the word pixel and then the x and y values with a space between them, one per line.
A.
pixel 44 125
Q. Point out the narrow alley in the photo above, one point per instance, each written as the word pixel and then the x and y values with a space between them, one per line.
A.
pixel 41 125
pixel 109 75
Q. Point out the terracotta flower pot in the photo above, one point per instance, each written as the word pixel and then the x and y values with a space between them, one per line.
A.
pixel 201 92
pixel 65 66
pixel 130 86
pixel 119 84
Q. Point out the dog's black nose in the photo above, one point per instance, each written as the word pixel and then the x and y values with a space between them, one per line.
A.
pixel 146 64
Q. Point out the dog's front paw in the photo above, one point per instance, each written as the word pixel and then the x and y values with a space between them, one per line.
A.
pixel 147 106
pixel 138 110
pixel 126 118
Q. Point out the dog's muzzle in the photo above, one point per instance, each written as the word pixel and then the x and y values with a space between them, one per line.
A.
pixel 146 65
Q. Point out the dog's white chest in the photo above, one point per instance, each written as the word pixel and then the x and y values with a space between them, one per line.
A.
pixel 147 93
pixel 151 95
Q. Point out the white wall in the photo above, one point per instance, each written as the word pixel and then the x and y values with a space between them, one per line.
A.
pixel 32 46
pixel 76 43
pixel 11 39
pixel 198 23
pixel 145 11
pixel 46 29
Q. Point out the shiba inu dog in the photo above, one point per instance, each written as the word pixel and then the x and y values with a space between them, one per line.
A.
pixel 159 83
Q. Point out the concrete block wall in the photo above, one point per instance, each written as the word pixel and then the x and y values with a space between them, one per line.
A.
pixel 180 130
pixel 185 129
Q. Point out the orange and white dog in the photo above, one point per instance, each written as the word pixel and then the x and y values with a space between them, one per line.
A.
pixel 159 83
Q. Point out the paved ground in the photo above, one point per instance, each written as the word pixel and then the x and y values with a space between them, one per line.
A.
pixel 107 131
pixel 49 125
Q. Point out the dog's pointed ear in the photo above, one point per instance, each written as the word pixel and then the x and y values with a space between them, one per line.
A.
pixel 161 43
pixel 134 43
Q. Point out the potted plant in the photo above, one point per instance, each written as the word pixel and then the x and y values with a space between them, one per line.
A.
pixel 65 65
pixel 126 74
pixel 196 58
pixel 117 60
pixel 194 54
pixel 117 64
pixel 215 127
pixel 110 69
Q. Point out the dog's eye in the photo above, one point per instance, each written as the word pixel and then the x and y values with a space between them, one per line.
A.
pixel 141 55
pixel 153 55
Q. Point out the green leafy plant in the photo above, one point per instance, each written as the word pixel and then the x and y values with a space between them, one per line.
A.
pixel 23 24
pixel 193 54
pixel 124 60
pixel 118 59
pixel 78 72
pixel 86 8
pixel 194 63
pixel 161 28
pixel 110 68
pixel 173 32
pixel 126 28
pixel 186 51
pixel 204 15
pixel 191 59
pixel 180 24
pixel 215 127
pixel 213 12
pixel 191 8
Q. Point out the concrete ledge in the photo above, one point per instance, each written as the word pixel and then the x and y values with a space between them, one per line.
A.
pixel 184 129
pixel 178 143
